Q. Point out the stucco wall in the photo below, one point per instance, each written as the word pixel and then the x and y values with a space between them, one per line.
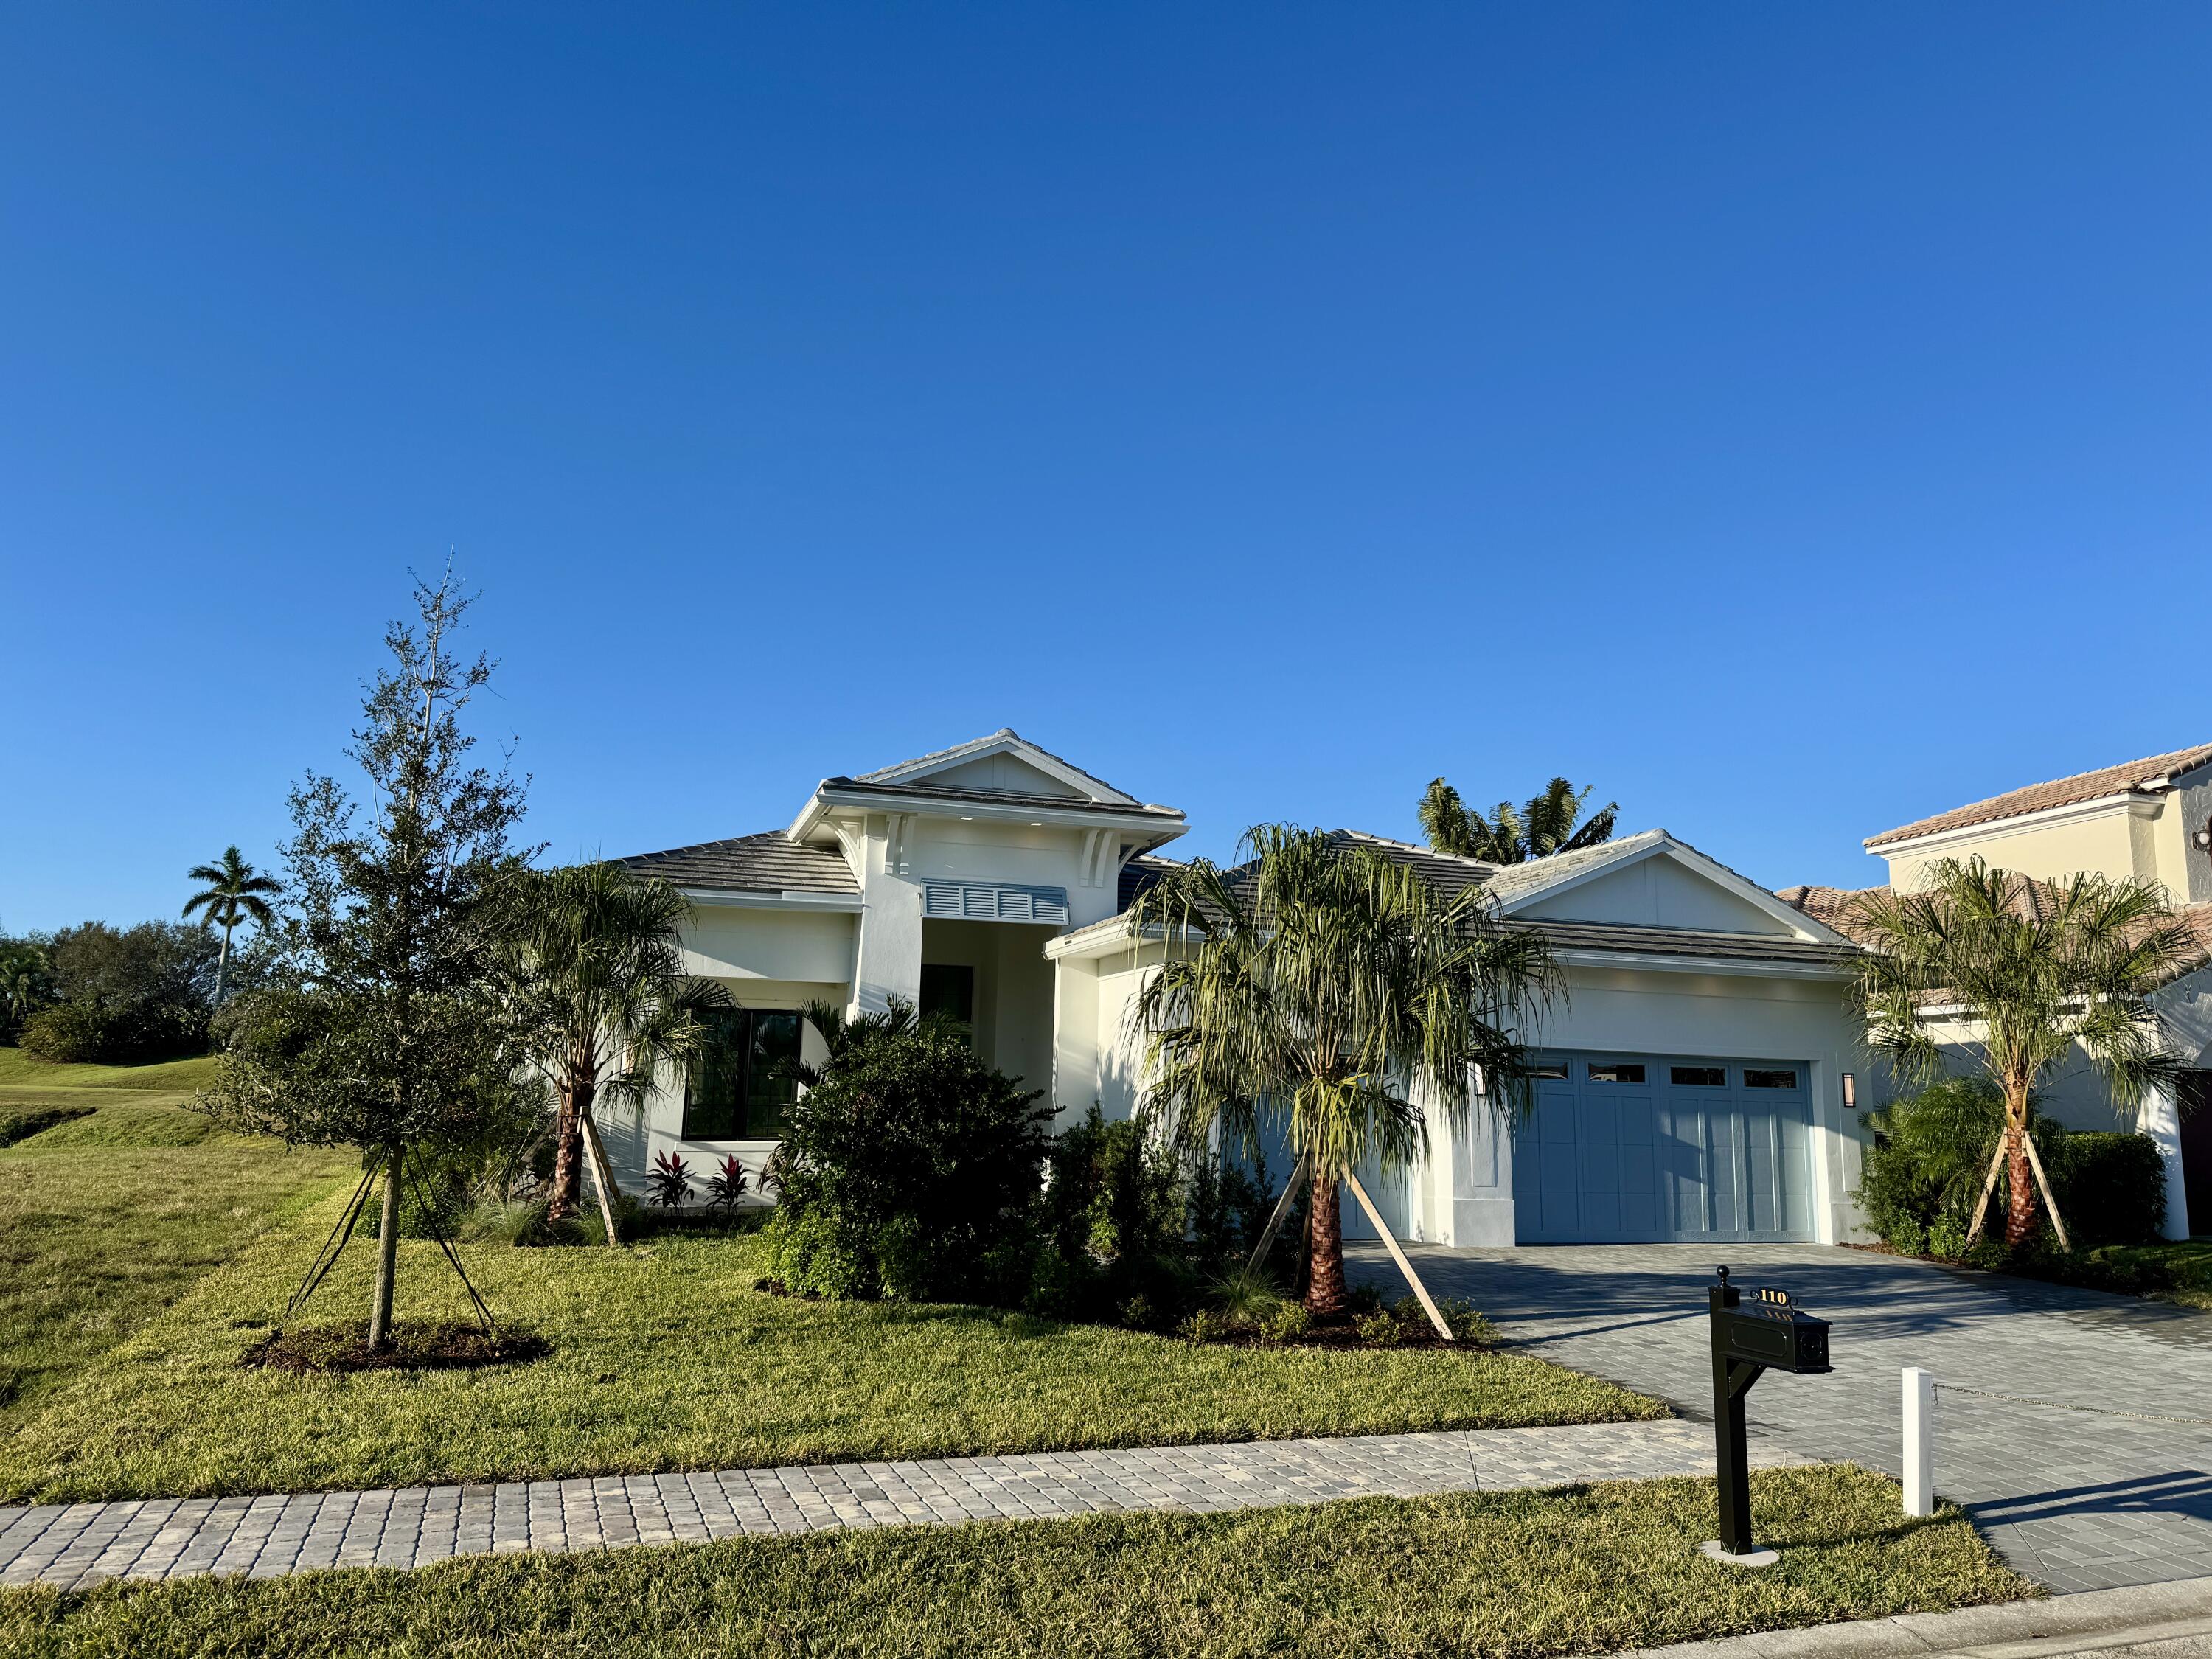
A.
pixel 2044 846
pixel 739 943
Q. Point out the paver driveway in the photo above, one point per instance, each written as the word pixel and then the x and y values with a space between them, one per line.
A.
pixel 2080 1502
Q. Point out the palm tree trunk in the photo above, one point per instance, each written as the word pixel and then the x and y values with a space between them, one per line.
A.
pixel 2019 1181
pixel 567 1161
pixel 387 1255
pixel 1325 1295
pixel 222 966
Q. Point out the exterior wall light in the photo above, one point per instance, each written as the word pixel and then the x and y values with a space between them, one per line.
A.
pixel 1850 1092
pixel 2203 839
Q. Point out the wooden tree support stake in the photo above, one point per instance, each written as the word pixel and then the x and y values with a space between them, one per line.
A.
pixel 1375 1216
pixel 2043 1181
pixel 1982 1209
pixel 1275 1221
pixel 601 1178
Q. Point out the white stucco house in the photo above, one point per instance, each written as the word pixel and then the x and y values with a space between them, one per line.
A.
pixel 2147 820
pixel 1694 1075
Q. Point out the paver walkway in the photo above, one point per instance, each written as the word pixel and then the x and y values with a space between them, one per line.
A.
pixel 77 1544
pixel 2080 1502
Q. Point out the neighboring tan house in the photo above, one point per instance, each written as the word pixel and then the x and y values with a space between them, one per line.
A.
pixel 1694 1075
pixel 2149 820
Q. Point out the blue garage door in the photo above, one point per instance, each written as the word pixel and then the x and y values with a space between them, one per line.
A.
pixel 1655 1148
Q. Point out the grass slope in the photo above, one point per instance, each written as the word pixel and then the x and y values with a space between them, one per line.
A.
pixel 20 1070
pixel 1579 1570
pixel 104 1222
pixel 665 1357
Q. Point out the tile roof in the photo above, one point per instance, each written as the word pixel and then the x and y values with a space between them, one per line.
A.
pixel 1139 872
pixel 998 796
pixel 1831 907
pixel 2150 773
pixel 1688 942
pixel 770 862
pixel 1450 875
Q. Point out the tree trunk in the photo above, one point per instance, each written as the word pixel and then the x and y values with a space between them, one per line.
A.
pixel 568 1157
pixel 222 967
pixel 387 1254
pixel 1325 1295
pixel 2020 1181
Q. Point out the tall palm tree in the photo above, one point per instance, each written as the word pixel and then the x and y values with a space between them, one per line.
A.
pixel 2031 970
pixel 1321 986
pixel 1548 823
pixel 234 894
pixel 603 997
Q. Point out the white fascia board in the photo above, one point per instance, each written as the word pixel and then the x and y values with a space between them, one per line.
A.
pixel 1103 939
pixel 1737 966
pixel 2138 801
pixel 735 899
pixel 1152 825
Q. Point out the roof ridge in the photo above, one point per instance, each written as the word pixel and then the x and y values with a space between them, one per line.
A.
pixel 2125 776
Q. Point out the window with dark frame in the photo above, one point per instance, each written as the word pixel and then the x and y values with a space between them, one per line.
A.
pixel 1548 1070
pixel 739 1083
pixel 1772 1079
pixel 1615 1072
pixel 1697 1077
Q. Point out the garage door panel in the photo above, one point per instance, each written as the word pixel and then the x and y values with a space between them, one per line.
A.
pixel 1645 1158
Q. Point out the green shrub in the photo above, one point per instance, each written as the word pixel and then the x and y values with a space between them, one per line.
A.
pixel 2109 1188
pixel 1379 1330
pixel 1244 1294
pixel 1203 1326
pixel 1288 1323
pixel 909 1143
pixel 1925 1173
pixel 1464 1323
pixel 818 1252
pixel 1930 1156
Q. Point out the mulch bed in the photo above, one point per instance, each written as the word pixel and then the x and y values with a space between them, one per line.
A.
pixel 454 1345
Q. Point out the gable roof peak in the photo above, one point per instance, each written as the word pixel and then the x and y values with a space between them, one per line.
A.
pixel 1005 740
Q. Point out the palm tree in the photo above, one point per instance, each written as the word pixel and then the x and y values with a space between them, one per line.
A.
pixel 603 997
pixel 1322 985
pixel 1548 823
pixel 2032 970
pixel 24 984
pixel 234 894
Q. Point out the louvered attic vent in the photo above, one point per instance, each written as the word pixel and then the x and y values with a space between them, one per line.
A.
pixel 986 901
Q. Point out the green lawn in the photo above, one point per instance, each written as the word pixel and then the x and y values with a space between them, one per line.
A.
pixel 665 1357
pixel 20 1070
pixel 106 1220
pixel 1578 1570
pixel 2190 1262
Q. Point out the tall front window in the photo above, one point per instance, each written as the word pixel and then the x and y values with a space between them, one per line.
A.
pixel 739 1085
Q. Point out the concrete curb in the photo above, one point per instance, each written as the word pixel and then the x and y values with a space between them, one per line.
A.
pixel 2088 1621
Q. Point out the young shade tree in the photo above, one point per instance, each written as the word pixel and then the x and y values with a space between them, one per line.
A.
pixel 601 999
pixel 2031 970
pixel 234 893
pixel 1322 985
pixel 395 1036
pixel 1550 822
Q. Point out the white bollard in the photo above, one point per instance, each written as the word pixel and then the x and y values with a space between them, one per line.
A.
pixel 1919 1442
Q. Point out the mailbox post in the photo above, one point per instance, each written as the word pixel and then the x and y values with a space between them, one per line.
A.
pixel 1748 1339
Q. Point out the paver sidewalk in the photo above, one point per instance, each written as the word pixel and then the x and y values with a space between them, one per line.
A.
pixel 77 1544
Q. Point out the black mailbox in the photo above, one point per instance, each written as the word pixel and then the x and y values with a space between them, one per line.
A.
pixel 1772 1331
pixel 1750 1339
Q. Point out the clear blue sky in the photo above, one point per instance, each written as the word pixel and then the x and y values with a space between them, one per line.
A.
pixel 1791 419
